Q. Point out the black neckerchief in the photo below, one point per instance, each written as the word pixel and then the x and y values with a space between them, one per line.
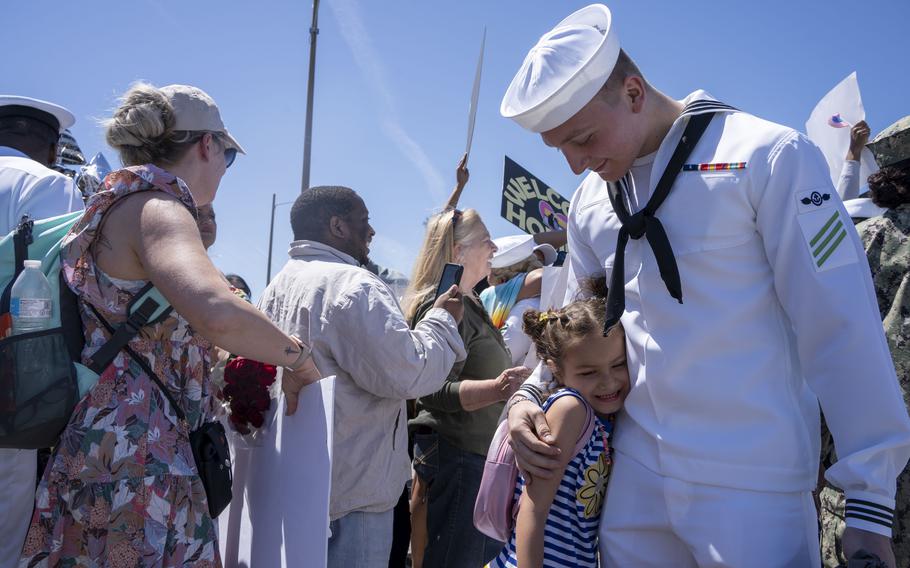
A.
pixel 644 223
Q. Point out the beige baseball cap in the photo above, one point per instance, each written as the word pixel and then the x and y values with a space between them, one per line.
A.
pixel 195 111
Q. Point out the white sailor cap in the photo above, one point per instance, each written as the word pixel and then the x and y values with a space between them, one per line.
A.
pixel 53 115
pixel 516 248
pixel 564 71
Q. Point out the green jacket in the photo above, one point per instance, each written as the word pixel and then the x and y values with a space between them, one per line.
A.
pixel 487 358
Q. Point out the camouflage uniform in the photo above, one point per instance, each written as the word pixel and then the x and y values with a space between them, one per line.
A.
pixel 887 246
pixel 892 145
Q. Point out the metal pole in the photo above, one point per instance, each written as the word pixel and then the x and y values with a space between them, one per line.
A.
pixel 308 129
pixel 268 271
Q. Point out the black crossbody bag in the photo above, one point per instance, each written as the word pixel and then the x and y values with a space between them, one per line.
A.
pixel 209 441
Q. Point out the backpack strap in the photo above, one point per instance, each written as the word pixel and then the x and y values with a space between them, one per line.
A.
pixel 588 430
pixel 589 418
pixel 147 307
pixel 144 296
pixel 22 237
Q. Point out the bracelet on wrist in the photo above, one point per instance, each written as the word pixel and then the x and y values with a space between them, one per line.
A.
pixel 518 398
pixel 301 357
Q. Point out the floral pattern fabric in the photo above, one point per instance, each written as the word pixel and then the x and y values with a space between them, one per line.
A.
pixel 594 488
pixel 122 487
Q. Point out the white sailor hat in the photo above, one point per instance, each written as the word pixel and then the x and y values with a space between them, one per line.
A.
pixel 516 248
pixel 564 71
pixel 53 115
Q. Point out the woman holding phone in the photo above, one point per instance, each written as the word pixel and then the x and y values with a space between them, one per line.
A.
pixel 454 427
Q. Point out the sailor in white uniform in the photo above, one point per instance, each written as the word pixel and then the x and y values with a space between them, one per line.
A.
pixel 746 301
pixel 29 130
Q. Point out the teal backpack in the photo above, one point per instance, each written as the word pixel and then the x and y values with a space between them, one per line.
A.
pixel 41 374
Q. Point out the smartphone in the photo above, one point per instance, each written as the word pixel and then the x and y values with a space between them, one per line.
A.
pixel 451 274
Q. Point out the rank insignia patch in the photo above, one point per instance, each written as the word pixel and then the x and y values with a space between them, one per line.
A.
pixel 824 229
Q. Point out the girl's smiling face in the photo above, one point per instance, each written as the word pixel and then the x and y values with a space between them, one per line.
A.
pixel 596 367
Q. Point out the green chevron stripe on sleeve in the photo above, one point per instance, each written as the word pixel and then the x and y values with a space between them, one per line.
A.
pixel 832 248
pixel 822 231
pixel 826 240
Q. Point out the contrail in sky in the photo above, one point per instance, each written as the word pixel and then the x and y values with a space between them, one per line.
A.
pixel 355 34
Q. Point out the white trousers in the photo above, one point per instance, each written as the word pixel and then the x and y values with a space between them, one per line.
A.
pixel 653 521
pixel 18 469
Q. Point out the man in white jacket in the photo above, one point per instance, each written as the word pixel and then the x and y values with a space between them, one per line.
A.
pixel 29 131
pixel 747 304
pixel 358 334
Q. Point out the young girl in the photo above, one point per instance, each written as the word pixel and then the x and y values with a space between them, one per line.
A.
pixel 558 518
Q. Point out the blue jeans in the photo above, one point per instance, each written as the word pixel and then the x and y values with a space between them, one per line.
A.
pixel 453 479
pixel 361 539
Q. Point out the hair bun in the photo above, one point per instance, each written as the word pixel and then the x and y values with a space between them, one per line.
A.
pixel 141 124
pixel 890 186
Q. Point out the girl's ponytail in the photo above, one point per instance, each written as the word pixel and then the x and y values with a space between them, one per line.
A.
pixel 552 330
pixel 532 324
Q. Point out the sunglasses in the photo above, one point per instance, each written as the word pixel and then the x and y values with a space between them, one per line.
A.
pixel 229 155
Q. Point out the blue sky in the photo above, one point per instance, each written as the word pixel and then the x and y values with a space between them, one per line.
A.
pixel 393 84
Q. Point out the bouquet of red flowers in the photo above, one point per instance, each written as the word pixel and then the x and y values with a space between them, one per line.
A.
pixel 246 391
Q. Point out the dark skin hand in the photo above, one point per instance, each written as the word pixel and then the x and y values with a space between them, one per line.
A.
pixel 556 238
pixel 859 136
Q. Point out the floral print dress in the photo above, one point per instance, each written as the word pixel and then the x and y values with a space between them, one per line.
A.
pixel 122 487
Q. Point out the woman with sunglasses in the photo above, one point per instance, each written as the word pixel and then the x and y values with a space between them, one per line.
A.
pixel 454 426
pixel 123 488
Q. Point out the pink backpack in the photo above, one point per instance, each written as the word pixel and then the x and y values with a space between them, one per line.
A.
pixel 494 513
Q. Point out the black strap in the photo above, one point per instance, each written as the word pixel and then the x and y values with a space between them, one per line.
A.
pixel 22 238
pixel 644 223
pixel 140 360
pixel 125 332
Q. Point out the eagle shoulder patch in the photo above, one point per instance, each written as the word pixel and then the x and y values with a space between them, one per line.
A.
pixel 825 230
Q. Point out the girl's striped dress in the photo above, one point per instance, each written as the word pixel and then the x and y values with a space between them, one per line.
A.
pixel 570 536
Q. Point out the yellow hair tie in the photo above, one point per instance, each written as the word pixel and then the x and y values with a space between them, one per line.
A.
pixel 547 316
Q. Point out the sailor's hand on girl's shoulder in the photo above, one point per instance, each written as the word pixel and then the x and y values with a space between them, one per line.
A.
pixel 532 441
pixel 292 382
pixel 450 301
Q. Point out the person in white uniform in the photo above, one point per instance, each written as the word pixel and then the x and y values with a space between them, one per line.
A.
pixel 747 303
pixel 518 270
pixel 29 130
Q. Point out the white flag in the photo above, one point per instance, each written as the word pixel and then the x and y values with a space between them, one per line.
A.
pixel 475 93
pixel 829 127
